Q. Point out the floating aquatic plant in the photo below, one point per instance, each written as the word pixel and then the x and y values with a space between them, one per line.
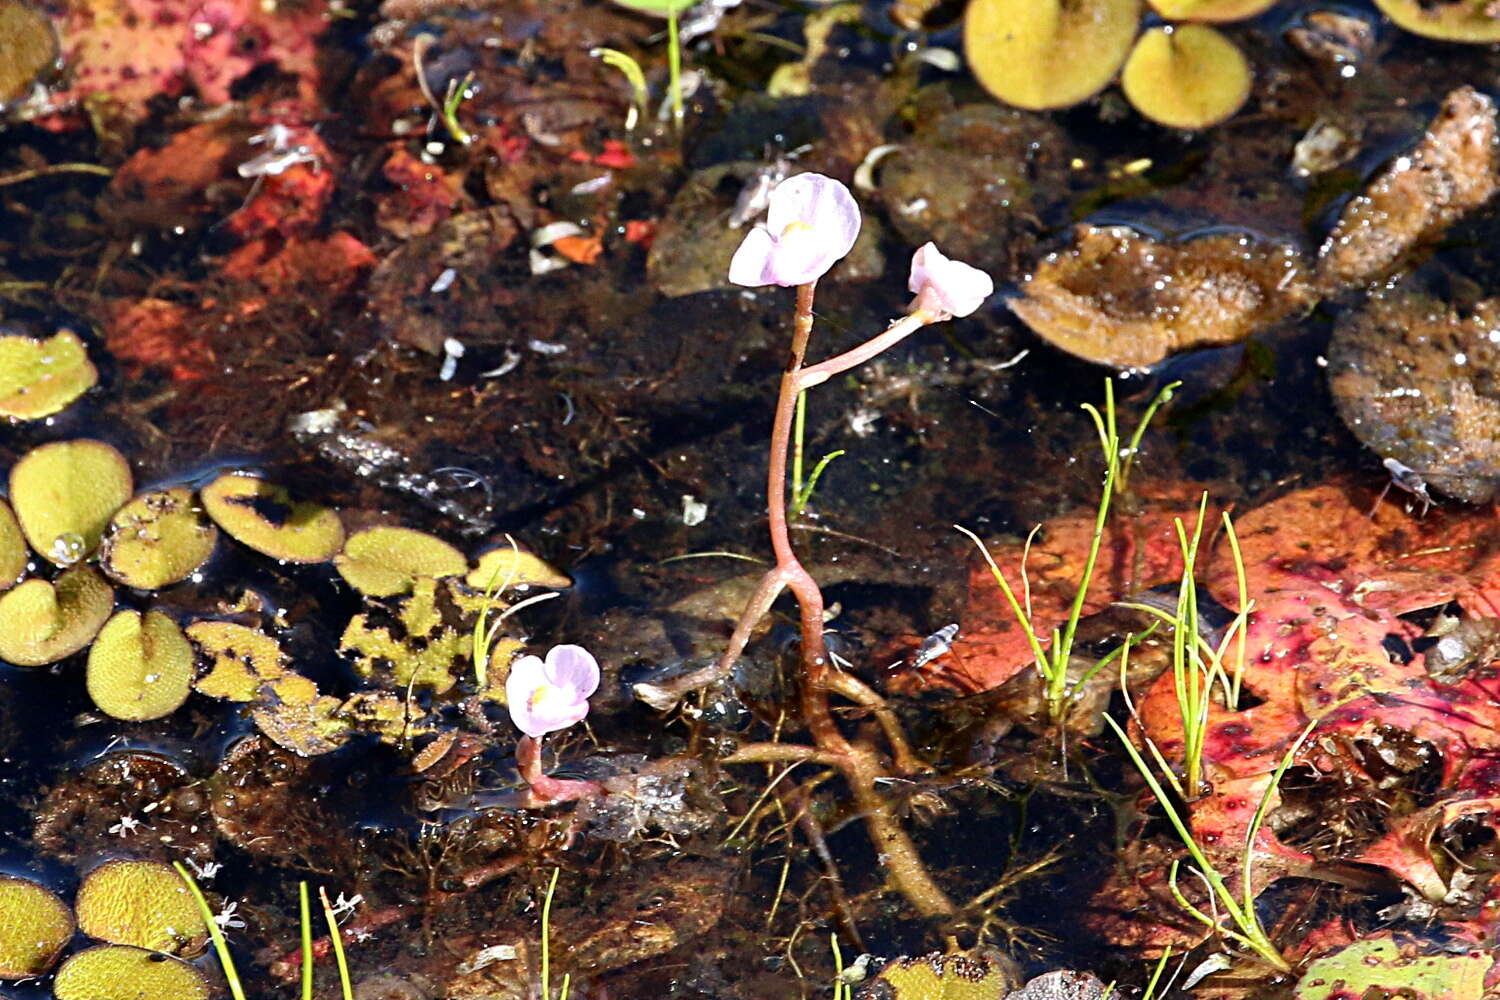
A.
pixel 64 495
pixel 1471 21
pixel 1186 76
pixel 262 514
pixel 385 561
pixel 140 903
pixel 121 972
pixel 157 539
pixel 35 926
pixel 140 667
pixel 1210 10
pixel 13 552
pixel 40 377
pixel 1040 54
pixel 42 622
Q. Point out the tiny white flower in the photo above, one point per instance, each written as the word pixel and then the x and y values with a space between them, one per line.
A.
pixel 126 826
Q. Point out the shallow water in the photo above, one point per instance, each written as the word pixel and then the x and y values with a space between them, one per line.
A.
pixel 297 324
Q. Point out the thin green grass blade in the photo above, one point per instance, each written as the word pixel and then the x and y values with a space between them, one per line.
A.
pixel 221 946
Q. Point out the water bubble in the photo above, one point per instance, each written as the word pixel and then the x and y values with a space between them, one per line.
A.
pixel 67 548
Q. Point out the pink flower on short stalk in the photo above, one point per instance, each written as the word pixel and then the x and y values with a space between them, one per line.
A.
pixel 946 288
pixel 811 224
pixel 545 696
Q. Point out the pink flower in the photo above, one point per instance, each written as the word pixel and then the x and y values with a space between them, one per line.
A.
pixel 946 288
pixel 811 223
pixel 547 696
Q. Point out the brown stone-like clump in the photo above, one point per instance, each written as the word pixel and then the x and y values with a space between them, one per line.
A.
pixel 974 181
pixel 1418 195
pixel 1415 380
pixel 1121 298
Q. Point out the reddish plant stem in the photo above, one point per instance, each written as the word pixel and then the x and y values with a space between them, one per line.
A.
pixel 860 765
pixel 544 789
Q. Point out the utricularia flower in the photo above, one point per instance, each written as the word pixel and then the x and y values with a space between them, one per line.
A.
pixel 811 223
pixel 547 695
pixel 946 288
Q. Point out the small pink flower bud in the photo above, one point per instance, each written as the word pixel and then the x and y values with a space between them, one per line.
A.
pixel 545 696
pixel 812 223
pixel 946 288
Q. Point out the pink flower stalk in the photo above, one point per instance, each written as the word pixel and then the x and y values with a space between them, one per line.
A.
pixel 946 288
pixel 545 696
pixel 811 224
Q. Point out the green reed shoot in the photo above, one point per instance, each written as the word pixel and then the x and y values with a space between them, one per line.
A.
pixel 304 916
pixel 458 92
pixel 1052 658
pixel 1246 930
pixel 221 946
pixel 1161 965
pixel 336 936
pixel 841 989
pixel 547 945
pixel 674 65
pixel 640 96
pixel 1198 664
pixel 802 494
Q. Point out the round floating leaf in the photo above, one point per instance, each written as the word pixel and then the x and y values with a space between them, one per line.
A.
pixel 263 515
pixel 1210 10
pixel 243 659
pixel 385 561
pixel 42 622
pixel 40 377
pixel 28 47
pixel 157 539
pixel 65 493
pixel 1186 76
pixel 1040 54
pixel 117 972
pixel 660 8
pixel 141 903
pixel 12 548
pixel 140 667
pixel 506 567
pixel 34 927
pixel 1447 20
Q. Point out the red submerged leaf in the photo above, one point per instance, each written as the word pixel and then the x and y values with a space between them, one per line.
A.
pixel 1138 551
pixel 155 334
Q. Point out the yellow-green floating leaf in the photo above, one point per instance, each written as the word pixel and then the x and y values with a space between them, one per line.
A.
pixel 1473 21
pixel 34 927
pixel 1210 10
pixel 141 903
pixel 140 666
pixel 40 377
pixel 119 972
pixel 506 567
pixel 241 658
pixel 64 495
pixel 1041 54
pixel 13 551
pixel 157 539
pixel 1186 76
pixel 385 561
pixel 264 516
pixel 42 622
